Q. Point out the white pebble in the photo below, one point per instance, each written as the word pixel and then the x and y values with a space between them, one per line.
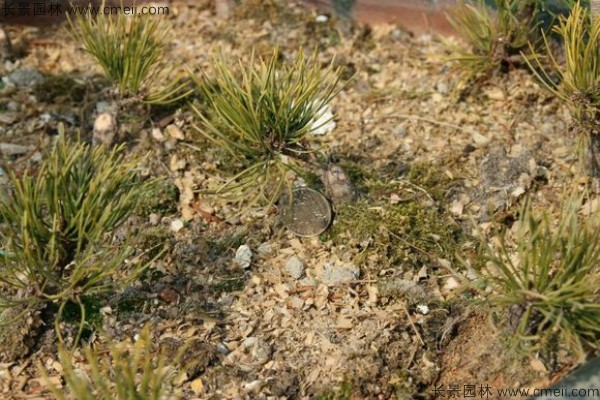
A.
pixel 243 256
pixel 423 309
pixel 176 225
pixel 294 267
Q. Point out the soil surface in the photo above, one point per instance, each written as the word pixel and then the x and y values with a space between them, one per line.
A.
pixel 374 308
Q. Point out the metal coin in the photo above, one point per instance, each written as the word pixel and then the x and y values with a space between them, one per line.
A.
pixel 307 213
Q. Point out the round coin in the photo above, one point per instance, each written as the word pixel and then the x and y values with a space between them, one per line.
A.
pixel 307 214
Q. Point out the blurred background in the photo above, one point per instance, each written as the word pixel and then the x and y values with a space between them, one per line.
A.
pixel 421 16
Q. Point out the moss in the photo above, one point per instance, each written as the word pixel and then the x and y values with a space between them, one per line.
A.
pixel 432 178
pixel 130 301
pixel 153 240
pixel 412 233
pixel 359 176
pixel 72 314
pixel 227 284
pixel 344 392
pixel 162 199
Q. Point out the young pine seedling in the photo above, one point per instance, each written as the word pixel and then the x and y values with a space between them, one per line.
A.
pixel 576 82
pixel 131 50
pixel 262 114
pixel 54 223
pixel 126 371
pixel 495 38
pixel 550 279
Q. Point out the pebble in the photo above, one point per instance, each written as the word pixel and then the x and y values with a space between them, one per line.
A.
pixel 442 87
pixel 158 135
pixel 295 267
pixel 423 309
pixel 495 94
pixel 400 130
pixel 260 351
pixel 154 219
pixel 10 149
pixel 24 77
pixel 249 342
pixel 176 225
pixel 451 284
pixel 174 132
pixel 243 256
pixel 8 118
pixel 479 139
pixel 223 349
pixel 263 249
pixel 335 274
pixel 105 129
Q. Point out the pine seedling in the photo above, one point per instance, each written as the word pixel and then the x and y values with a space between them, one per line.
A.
pixel 495 38
pixel 125 371
pixel 577 82
pixel 550 279
pixel 55 222
pixel 262 114
pixel 131 50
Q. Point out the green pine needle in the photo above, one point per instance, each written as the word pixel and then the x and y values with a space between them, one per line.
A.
pixel 261 113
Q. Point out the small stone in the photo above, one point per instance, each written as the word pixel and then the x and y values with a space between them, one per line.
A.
pixel 176 163
pixel 175 132
pixel 249 342
pixel 24 77
pixel 400 130
pixel 223 349
pixel 9 149
pixel 471 274
pixel 422 274
pixel 8 118
pixel 322 18
pixel 547 129
pixel 254 387
pixel 423 309
pixel 107 310
pixel 451 284
pixel 154 219
pixel 158 135
pixel 243 256
pixel 295 267
pixel 336 274
pixel 197 386
pixel 264 248
pixel 260 352
pixel 176 225
pixel 105 129
pixel 442 87
pixel 169 295
pixel 495 94
pixel 479 139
